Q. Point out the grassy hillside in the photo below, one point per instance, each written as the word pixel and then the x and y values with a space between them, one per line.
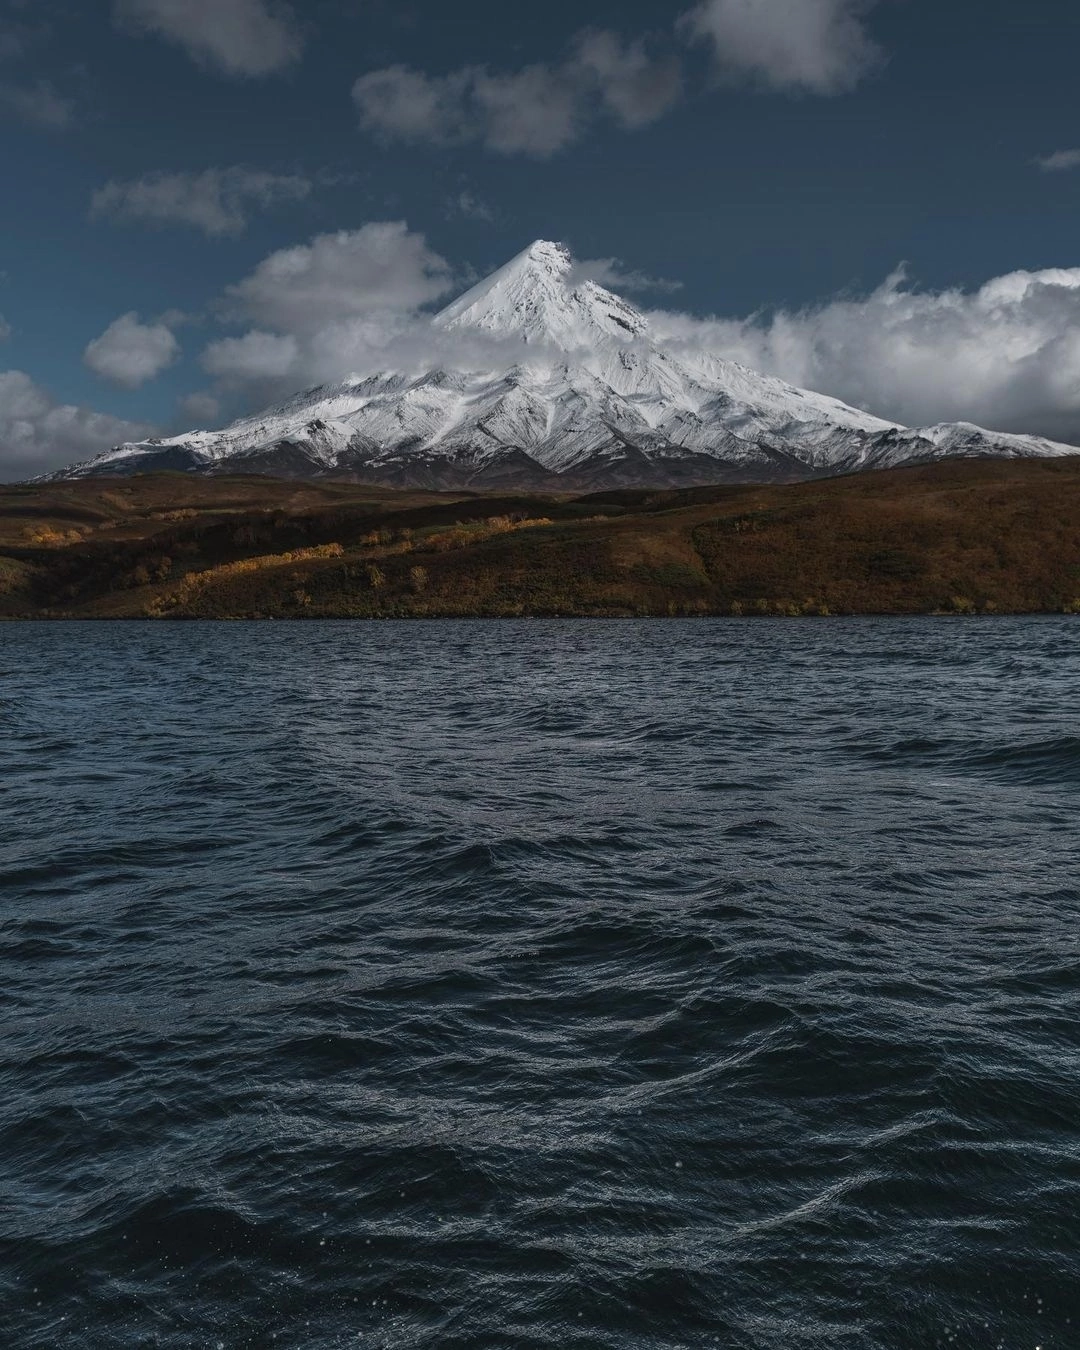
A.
pixel 961 537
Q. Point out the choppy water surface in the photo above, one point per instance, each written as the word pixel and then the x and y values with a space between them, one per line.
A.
pixel 542 984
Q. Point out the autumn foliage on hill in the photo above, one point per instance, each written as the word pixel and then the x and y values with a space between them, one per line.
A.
pixel 963 537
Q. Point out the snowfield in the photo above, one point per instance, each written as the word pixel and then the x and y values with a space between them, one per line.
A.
pixel 585 397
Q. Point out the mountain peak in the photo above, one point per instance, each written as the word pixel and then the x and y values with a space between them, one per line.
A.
pixel 568 385
pixel 534 297
pixel 546 253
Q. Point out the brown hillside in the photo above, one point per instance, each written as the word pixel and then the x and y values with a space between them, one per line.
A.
pixel 960 537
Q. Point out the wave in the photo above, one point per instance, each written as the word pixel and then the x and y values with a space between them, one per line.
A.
pixel 540 987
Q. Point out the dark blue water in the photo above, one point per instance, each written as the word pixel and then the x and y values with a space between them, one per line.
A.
pixel 540 985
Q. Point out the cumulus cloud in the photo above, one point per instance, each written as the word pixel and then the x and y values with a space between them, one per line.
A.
pixel 235 37
pixel 217 201
pixel 346 303
pixel 1006 356
pixel 383 266
pixel 270 365
pixel 534 111
pixel 202 407
pixel 38 103
pixel 256 357
pixel 1059 161
pixel 812 46
pixel 808 46
pixel 633 85
pixel 130 353
pixel 537 110
pixel 402 104
pixel 38 434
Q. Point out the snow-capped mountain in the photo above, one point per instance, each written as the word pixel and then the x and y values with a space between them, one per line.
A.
pixel 573 392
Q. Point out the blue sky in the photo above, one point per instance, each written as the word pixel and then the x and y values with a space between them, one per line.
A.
pixel 772 161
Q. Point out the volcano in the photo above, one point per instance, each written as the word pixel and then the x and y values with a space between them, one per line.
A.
pixel 572 392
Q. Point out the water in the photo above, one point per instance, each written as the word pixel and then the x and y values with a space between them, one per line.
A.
pixel 540 985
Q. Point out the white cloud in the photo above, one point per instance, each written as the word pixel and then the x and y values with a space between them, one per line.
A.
pixel 38 104
pixel 610 272
pixel 383 266
pixel 402 104
pixel 38 434
pixel 130 353
pixel 344 303
pixel 1060 160
pixel 237 37
pixel 1006 356
pixel 273 365
pixel 201 407
pixel 257 357
pixel 633 85
pixel 810 46
pixel 814 46
pixel 216 201
pixel 537 110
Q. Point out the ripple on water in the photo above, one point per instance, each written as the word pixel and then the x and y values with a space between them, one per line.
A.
pixel 531 984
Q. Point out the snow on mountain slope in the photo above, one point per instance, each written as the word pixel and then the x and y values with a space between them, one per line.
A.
pixel 584 396
pixel 534 297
